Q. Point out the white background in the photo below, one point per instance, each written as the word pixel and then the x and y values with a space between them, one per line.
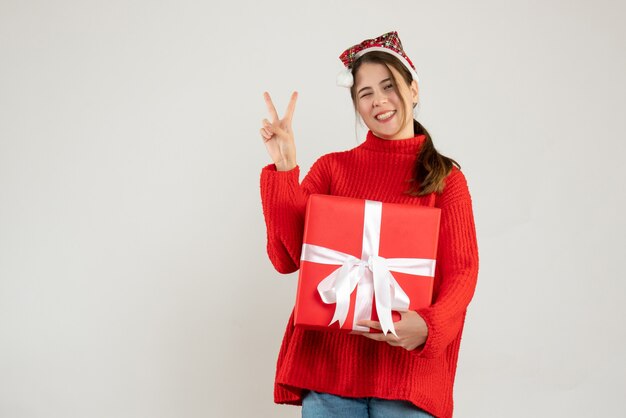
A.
pixel 134 280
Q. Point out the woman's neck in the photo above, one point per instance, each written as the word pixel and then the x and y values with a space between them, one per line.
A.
pixel 408 145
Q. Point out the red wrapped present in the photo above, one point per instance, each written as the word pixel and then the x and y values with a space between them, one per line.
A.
pixel 363 259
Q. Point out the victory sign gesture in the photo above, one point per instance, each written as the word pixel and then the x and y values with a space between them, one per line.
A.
pixel 278 135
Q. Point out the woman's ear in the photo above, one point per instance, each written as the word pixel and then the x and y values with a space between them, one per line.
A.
pixel 414 91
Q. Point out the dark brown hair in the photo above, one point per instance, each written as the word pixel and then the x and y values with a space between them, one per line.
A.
pixel 431 168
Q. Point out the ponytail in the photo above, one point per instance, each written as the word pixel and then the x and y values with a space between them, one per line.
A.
pixel 430 169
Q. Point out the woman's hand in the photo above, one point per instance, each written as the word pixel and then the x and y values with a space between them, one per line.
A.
pixel 278 135
pixel 411 329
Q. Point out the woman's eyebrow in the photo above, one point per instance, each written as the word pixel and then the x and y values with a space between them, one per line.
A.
pixel 367 87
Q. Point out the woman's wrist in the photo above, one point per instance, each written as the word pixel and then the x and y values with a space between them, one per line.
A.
pixel 285 166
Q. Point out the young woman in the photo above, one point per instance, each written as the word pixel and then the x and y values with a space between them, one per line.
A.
pixel 371 374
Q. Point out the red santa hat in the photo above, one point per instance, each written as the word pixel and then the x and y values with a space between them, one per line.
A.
pixel 389 43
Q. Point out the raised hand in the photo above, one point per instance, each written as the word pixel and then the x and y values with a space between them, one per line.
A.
pixel 278 135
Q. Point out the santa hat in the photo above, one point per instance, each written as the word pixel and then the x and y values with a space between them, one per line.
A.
pixel 389 43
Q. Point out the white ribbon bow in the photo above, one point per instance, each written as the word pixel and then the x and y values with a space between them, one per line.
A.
pixel 370 275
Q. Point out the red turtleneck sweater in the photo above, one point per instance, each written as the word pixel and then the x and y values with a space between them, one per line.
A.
pixel 352 365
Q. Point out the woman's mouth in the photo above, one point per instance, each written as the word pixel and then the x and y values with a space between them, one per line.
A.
pixel 384 117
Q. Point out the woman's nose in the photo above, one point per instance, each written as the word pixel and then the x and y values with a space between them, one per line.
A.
pixel 380 99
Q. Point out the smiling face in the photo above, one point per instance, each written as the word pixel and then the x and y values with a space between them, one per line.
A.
pixel 386 108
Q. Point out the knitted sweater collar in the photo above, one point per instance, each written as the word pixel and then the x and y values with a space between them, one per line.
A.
pixel 397 146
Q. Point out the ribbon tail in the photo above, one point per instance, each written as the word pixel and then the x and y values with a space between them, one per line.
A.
pixel 364 297
pixel 399 299
pixel 382 292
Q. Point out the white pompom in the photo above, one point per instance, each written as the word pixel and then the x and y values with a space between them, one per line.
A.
pixel 345 79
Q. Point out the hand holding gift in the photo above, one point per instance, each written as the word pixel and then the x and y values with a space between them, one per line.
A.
pixel 411 331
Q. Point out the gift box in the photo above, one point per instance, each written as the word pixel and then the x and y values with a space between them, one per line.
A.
pixel 363 259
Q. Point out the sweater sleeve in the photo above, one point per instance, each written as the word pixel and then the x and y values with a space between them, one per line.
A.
pixel 457 257
pixel 284 201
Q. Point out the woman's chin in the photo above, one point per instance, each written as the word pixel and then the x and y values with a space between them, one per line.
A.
pixel 387 132
pixel 383 130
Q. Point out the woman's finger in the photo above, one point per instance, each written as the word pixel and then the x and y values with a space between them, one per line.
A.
pixel 270 106
pixel 291 107
pixel 370 324
pixel 267 127
pixel 266 134
pixel 394 342
pixel 267 124
pixel 389 338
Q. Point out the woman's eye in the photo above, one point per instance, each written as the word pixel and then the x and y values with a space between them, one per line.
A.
pixel 366 94
pixel 389 86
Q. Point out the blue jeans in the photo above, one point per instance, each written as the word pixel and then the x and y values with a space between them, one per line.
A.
pixel 323 405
